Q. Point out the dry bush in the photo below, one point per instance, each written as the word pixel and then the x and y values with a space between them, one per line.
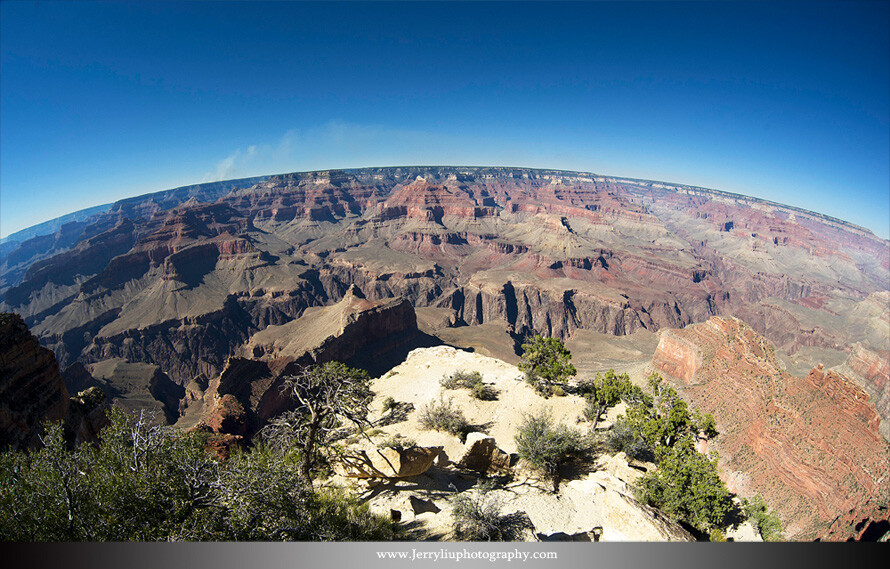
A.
pixel 443 416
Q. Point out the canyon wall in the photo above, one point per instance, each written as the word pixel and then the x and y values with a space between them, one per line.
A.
pixel 810 445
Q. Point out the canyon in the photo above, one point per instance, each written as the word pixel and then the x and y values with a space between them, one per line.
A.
pixel 773 318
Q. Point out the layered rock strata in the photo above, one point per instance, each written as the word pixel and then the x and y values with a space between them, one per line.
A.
pixel 183 279
pixel 810 445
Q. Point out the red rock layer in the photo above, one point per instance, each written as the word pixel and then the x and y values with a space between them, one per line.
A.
pixel 874 369
pixel 546 251
pixel 867 522
pixel 809 445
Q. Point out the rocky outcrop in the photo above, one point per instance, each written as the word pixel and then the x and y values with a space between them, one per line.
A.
pixel 355 326
pixel 871 370
pixel 31 387
pixel 358 331
pixel 677 357
pixel 387 462
pixel 867 522
pixel 228 417
pixel 482 455
pixel 77 378
pixel 625 518
pixel 810 445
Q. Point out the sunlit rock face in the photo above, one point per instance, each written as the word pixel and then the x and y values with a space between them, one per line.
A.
pixel 811 445
pixel 183 279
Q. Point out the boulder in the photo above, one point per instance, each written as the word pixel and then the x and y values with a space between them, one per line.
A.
pixel 626 519
pixel 387 462
pixel 482 454
pixel 622 517
pixel 621 468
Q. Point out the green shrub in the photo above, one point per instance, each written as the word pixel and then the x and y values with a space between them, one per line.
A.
pixel 664 418
pixel 471 380
pixel 337 516
pixel 621 438
pixel 546 446
pixel 686 486
pixel 145 483
pixel 388 404
pixel 443 416
pixel 545 362
pixel 543 388
pixel 397 442
pixel 484 392
pixel 605 391
pixel 765 521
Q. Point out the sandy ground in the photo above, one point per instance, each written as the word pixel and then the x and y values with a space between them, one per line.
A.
pixel 417 379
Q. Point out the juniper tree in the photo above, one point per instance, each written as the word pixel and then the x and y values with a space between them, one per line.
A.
pixel 546 363
pixel 326 393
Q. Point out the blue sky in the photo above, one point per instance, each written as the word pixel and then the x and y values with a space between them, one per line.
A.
pixel 784 101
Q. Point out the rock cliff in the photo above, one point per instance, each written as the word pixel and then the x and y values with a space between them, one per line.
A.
pixel 181 279
pixel 810 445
pixel 31 387
pixel 871 371
pixel 356 330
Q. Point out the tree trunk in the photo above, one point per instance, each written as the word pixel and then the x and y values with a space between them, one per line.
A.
pixel 596 419
pixel 309 449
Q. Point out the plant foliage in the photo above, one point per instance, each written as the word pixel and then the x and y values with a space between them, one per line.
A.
pixel 664 418
pixel 605 391
pixel 545 362
pixel 327 393
pixel 767 522
pixel 546 446
pixel 443 416
pixel 478 517
pixel 147 483
pixel 686 486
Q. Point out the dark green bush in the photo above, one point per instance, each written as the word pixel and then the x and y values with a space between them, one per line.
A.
pixel 621 438
pixel 471 380
pixel 546 446
pixel 388 404
pixel 461 378
pixel 397 442
pixel 483 392
pixel 545 362
pixel 765 521
pixel 686 486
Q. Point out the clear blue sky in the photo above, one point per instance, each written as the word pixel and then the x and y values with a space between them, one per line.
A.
pixel 788 102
